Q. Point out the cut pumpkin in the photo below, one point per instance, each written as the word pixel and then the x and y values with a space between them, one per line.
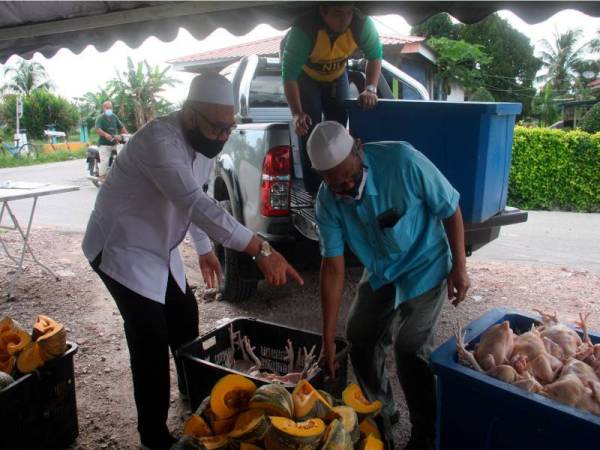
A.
pixel 371 443
pixel 51 337
pixel 197 426
pixel 337 438
pixel 215 442
pixel 367 427
pixel 14 340
pixel 7 324
pixel 231 395
pixel 247 446
pixel 30 358
pixel 285 434
pixel 7 362
pixel 222 426
pixel 309 403
pixel 349 420
pixel 353 397
pixel 250 426
pixel 274 399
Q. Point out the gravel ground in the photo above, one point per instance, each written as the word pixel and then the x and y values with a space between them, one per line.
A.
pixel 104 391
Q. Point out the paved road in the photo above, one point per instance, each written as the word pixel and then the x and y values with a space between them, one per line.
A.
pixel 566 239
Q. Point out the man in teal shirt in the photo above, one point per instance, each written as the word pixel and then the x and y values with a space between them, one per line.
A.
pixel 400 216
pixel 109 129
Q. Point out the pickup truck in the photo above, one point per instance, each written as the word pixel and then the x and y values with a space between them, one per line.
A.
pixel 258 175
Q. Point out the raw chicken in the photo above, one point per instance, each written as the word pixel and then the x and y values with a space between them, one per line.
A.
pixel 495 346
pixel 529 354
pixel 527 382
pixel 564 337
pixel 570 390
pixel 581 370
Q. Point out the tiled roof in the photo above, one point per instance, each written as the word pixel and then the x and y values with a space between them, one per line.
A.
pixel 595 83
pixel 270 46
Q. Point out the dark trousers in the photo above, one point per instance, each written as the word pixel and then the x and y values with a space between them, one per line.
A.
pixel 151 329
pixel 374 325
pixel 320 100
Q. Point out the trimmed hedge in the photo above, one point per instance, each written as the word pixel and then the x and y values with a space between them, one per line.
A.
pixel 554 169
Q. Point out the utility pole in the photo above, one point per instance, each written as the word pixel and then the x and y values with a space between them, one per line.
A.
pixel 19 114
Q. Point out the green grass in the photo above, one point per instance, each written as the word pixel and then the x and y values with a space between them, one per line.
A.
pixel 11 161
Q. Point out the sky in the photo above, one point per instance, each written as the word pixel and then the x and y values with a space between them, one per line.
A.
pixel 73 75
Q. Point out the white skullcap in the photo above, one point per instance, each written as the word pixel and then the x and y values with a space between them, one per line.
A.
pixel 212 88
pixel 328 145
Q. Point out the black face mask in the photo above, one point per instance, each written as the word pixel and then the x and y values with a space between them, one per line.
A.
pixel 201 144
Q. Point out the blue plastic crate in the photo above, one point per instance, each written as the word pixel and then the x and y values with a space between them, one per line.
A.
pixel 478 412
pixel 470 142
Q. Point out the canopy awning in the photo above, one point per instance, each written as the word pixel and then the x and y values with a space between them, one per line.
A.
pixel 46 27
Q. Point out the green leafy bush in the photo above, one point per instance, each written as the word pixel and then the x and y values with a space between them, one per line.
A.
pixel 482 95
pixel 40 108
pixel 591 120
pixel 554 169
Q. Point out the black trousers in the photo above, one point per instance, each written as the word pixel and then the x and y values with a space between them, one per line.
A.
pixel 151 329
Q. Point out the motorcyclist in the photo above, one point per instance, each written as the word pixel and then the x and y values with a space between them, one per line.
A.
pixel 109 129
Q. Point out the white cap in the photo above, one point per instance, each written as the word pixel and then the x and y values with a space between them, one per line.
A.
pixel 212 88
pixel 328 145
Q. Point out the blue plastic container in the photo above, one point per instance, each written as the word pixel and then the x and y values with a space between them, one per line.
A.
pixel 478 412
pixel 470 142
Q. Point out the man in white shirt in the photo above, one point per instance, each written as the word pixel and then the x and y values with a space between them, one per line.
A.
pixel 151 198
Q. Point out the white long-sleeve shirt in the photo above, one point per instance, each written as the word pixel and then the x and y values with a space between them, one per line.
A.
pixel 153 195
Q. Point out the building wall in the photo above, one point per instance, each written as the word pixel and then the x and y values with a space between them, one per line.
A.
pixel 457 93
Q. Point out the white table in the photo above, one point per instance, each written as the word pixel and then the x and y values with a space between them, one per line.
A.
pixel 11 191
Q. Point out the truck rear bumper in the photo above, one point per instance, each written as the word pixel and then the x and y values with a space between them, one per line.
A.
pixel 479 234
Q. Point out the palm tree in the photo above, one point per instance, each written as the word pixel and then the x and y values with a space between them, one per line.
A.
pixel 90 105
pixel 561 57
pixel 25 77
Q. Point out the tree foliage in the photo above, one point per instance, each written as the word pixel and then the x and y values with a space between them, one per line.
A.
pixel 40 108
pixel 25 77
pixel 459 62
pixel 482 95
pixel 510 75
pixel 562 57
pixel 545 107
pixel 440 25
pixel 591 120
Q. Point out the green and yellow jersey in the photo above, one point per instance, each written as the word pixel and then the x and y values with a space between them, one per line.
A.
pixel 311 47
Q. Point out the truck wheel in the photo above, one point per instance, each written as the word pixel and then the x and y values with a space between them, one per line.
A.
pixel 239 271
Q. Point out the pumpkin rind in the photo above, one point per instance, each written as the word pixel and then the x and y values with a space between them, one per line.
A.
pixel 349 420
pixel 247 446
pixel 274 399
pixel 309 403
pixel 285 434
pixel 353 397
pixel 197 426
pixel 337 437
pixel 230 395
pixel 371 443
pixel 30 358
pixel 250 426
pixel 51 336
pixel 368 426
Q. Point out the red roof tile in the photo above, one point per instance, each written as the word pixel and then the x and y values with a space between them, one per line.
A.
pixel 595 83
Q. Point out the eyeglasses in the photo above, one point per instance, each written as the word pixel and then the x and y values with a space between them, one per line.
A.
pixel 218 128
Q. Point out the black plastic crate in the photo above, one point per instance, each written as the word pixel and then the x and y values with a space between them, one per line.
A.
pixel 39 409
pixel 203 358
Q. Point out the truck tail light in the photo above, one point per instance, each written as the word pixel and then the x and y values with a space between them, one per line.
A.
pixel 275 185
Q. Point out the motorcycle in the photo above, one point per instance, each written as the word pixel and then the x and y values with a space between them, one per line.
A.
pixel 93 159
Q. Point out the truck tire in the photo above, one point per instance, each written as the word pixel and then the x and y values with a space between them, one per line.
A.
pixel 239 270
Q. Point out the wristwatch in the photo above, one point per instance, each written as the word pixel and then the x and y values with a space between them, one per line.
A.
pixel 265 250
pixel 371 88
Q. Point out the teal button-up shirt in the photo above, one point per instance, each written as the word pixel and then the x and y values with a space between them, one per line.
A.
pixel 414 253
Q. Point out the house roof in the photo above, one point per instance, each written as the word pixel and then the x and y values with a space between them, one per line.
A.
pixel 270 46
pixel 595 84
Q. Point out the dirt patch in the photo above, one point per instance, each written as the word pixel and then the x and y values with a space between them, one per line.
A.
pixel 104 391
